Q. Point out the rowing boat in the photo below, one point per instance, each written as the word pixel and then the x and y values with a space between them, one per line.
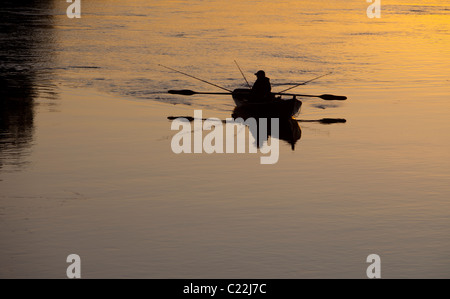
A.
pixel 274 108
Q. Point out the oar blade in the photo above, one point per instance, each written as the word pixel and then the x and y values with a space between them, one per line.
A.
pixel 330 97
pixel 327 121
pixel 185 92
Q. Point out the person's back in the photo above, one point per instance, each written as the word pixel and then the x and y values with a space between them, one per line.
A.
pixel 261 90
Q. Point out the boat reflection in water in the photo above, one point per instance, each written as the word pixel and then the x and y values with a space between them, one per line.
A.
pixel 289 131
pixel 284 110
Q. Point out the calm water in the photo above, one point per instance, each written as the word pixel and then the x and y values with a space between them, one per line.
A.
pixel 86 165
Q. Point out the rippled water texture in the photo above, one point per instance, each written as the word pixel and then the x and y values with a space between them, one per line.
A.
pixel 86 165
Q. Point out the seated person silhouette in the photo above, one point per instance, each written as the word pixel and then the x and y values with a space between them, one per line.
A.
pixel 261 90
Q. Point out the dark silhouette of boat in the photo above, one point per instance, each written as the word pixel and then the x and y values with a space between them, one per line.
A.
pixel 289 129
pixel 276 107
pixel 273 108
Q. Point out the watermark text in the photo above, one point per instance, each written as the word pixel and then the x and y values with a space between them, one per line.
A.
pixel 374 9
pixel 228 138
pixel 74 9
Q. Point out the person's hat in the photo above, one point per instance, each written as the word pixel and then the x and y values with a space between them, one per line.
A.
pixel 260 73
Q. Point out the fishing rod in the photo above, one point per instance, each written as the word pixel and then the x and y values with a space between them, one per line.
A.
pixel 243 75
pixel 169 68
pixel 305 82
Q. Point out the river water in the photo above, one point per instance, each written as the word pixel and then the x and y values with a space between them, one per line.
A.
pixel 86 165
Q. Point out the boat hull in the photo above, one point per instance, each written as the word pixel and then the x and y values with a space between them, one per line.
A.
pixel 274 108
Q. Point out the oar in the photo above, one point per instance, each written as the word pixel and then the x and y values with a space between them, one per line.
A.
pixel 326 97
pixel 187 92
pixel 322 121
pixel 325 120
